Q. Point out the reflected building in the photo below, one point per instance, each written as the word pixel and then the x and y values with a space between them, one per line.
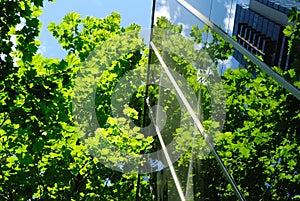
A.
pixel 197 176
pixel 259 28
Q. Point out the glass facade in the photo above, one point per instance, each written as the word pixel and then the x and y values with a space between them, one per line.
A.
pixel 229 138
pixel 283 6
pixel 266 32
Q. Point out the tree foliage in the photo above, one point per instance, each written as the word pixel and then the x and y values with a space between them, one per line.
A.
pixel 260 139
pixel 42 156
pixel 42 153
pixel 292 32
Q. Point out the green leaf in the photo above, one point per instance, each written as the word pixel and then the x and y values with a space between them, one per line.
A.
pixel 104 151
pixel 288 31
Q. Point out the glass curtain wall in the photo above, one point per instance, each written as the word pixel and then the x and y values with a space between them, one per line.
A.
pixel 226 104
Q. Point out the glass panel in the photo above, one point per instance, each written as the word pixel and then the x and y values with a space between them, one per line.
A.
pixel 259 142
pixel 186 146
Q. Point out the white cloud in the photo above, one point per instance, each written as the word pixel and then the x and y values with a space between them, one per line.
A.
pixel 185 29
pixel 229 19
pixel 177 13
pixel 198 46
pixel 230 13
pixel 165 8
pixel 224 65
pixel 42 50
pixel 162 9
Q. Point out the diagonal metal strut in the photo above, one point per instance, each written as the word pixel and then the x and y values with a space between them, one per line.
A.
pixel 264 67
pixel 198 124
pixel 166 153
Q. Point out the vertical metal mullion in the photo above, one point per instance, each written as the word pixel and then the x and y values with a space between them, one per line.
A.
pixel 137 197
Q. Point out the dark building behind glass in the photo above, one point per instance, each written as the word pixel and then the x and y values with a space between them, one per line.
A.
pixel 259 28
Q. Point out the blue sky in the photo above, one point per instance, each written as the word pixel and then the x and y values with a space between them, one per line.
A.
pixel 222 13
pixel 137 11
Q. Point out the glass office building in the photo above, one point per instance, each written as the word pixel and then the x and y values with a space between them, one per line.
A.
pixel 259 28
pixel 223 150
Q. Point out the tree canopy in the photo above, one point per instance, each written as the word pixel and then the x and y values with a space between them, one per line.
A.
pixel 70 128
pixel 42 156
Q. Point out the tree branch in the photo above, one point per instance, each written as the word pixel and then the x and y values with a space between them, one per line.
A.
pixel 4 196
pixel 4 120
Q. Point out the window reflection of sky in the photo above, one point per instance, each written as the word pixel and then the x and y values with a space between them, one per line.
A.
pixel 221 12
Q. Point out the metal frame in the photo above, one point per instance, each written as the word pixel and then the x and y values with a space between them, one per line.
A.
pixel 264 67
pixel 200 127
